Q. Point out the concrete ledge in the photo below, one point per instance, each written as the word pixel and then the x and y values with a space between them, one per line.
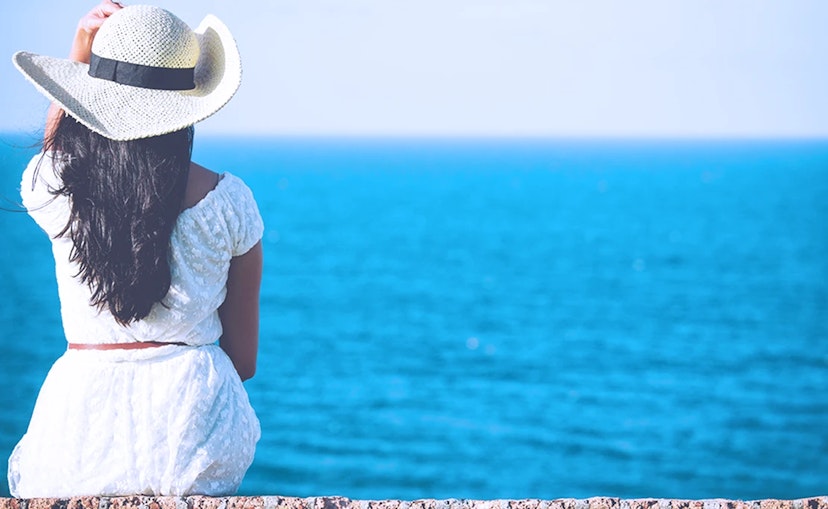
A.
pixel 276 502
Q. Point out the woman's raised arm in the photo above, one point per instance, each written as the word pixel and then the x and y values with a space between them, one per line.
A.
pixel 82 50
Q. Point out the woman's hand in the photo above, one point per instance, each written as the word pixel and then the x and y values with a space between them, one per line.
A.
pixel 87 28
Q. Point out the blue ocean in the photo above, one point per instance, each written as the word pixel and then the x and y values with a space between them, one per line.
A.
pixel 490 318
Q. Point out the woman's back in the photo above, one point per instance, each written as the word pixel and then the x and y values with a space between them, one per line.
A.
pixel 170 420
pixel 221 224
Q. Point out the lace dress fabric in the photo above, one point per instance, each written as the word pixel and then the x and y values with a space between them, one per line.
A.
pixel 171 420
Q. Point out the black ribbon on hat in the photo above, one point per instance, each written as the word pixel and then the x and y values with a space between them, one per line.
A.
pixel 144 76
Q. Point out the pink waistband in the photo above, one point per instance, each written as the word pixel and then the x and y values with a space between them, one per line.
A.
pixel 138 345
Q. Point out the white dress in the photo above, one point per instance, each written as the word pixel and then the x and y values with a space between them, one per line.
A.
pixel 171 420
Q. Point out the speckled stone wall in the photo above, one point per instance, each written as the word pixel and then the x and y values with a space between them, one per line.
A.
pixel 276 502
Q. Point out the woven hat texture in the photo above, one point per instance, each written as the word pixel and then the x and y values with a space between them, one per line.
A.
pixel 147 36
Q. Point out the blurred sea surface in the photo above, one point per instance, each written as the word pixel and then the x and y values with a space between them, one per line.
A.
pixel 510 318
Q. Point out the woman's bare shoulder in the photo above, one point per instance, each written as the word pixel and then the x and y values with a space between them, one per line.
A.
pixel 199 182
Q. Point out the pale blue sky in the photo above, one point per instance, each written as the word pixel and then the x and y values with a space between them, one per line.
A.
pixel 491 67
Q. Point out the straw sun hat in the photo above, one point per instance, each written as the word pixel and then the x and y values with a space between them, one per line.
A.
pixel 149 74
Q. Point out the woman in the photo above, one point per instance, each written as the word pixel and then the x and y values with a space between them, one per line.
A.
pixel 156 260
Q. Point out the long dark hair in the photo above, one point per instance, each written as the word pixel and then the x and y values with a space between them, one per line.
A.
pixel 125 198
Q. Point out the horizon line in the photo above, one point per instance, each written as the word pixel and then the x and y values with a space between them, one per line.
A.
pixel 37 135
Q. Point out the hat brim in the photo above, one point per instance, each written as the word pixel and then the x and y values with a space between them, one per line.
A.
pixel 124 112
